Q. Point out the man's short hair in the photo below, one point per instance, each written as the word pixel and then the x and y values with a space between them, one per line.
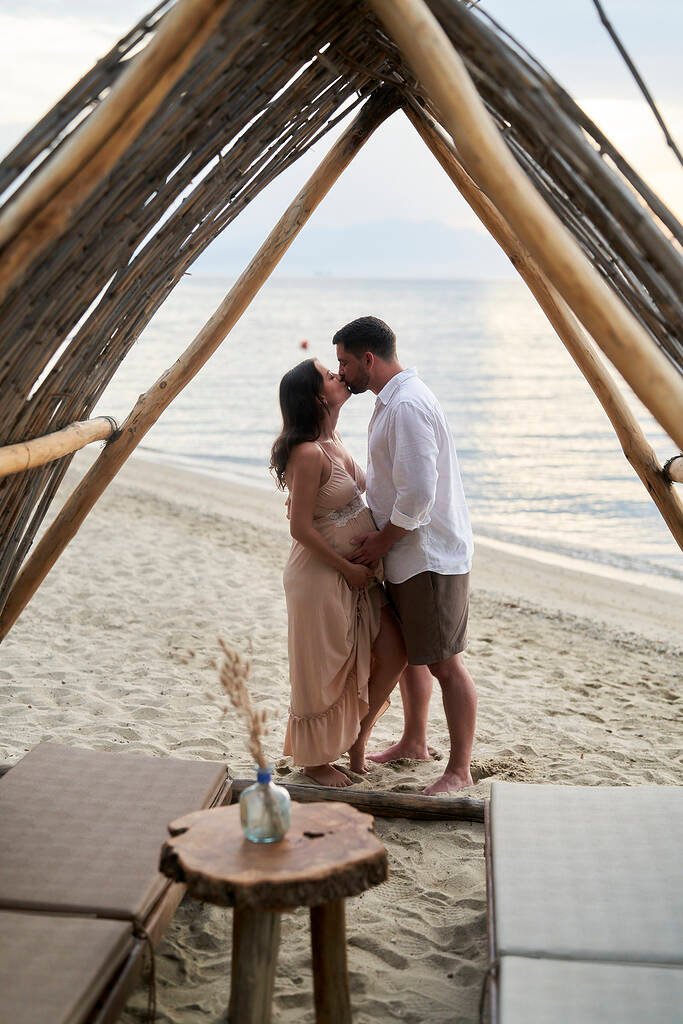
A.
pixel 367 334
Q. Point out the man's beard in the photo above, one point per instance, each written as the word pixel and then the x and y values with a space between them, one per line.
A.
pixel 359 387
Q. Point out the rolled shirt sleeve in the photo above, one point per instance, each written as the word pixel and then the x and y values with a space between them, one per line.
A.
pixel 414 451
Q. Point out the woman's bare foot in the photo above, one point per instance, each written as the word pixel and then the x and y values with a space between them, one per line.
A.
pixel 450 782
pixel 357 762
pixel 402 749
pixel 356 752
pixel 327 775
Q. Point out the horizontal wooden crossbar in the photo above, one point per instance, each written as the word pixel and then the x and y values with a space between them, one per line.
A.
pixel 15 458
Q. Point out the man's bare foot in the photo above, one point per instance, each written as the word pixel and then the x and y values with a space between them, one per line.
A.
pixel 450 782
pixel 402 749
pixel 327 775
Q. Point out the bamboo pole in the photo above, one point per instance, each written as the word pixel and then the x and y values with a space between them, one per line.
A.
pixel 150 405
pixel 42 211
pixel 487 159
pixel 15 458
pixel 633 441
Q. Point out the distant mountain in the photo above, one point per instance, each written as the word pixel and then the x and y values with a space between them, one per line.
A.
pixel 392 248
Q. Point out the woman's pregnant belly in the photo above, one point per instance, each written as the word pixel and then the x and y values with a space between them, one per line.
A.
pixel 340 533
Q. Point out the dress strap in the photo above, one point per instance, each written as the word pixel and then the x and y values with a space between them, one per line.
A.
pixel 323 451
pixel 331 462
pixel 340 465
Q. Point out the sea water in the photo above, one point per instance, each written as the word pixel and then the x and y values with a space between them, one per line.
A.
pixel 540 462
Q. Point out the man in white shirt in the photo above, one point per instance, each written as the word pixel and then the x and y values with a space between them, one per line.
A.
pixel 415 493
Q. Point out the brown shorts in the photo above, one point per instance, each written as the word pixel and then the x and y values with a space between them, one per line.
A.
pixel 433 611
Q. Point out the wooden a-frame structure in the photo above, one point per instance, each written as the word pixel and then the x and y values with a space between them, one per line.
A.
pixel 119 188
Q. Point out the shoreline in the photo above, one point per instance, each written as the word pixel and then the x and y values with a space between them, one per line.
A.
pixel 652 578
pixel 569 586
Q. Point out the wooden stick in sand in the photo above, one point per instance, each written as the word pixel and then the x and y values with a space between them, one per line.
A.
pixel 382 804
pixel 633 441
pixel 150 405
pixel 487 159
pixel 43 210
pixel 14 458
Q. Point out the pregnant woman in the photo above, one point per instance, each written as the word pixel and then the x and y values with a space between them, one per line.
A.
pixel 345 648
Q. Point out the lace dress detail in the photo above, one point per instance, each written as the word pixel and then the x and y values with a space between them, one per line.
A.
pixel 343 516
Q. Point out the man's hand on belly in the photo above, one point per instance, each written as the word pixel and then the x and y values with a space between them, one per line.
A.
pixel 370 547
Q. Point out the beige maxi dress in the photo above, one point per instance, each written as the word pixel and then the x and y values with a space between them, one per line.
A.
pixel 331 628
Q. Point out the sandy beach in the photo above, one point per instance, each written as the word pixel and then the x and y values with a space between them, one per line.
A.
pixel 579 680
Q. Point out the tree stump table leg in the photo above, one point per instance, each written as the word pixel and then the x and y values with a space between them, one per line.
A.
pixel 255 940
pixel 330 979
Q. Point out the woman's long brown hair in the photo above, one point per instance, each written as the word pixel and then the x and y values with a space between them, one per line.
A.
pixel 301 405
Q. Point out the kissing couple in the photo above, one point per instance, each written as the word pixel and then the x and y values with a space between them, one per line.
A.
pixel 377 590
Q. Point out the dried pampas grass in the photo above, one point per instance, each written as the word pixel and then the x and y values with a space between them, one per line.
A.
pixel 233 673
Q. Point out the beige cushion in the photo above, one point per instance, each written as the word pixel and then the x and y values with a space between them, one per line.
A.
pixel 588 873
pixel 52 969
pixel 570 992
pixel 82 829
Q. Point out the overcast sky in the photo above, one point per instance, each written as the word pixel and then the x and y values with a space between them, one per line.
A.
pixel 46 45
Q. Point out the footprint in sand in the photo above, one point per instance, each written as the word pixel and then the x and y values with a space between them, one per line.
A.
pixel 511 768
pixel 369 944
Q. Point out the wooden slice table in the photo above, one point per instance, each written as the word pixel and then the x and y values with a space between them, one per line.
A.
pixel 329 853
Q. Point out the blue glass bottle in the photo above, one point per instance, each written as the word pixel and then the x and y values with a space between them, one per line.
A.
pixel 265 809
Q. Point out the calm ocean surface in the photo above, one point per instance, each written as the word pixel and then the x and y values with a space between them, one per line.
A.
pixel 539 459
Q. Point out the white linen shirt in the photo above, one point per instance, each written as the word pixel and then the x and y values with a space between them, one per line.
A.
pixel 413 481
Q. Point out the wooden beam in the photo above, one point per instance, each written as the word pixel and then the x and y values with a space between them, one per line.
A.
pixel 255 944
pixel 150 405
pixel 330 970
pixel 382 804
pixel 487 159
pixel 15 458
pixel 633 441
pixel 44 208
